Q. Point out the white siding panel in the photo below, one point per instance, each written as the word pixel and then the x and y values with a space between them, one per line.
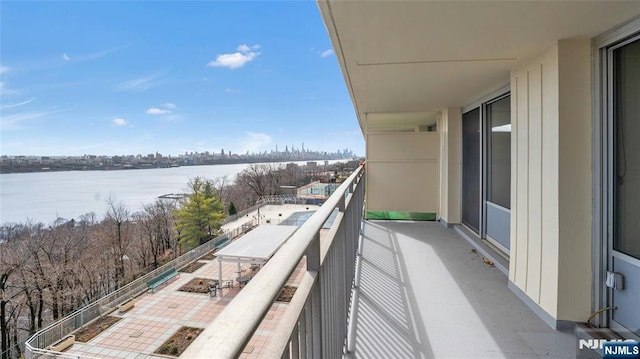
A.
pixel 402 186
pixel 443 129
pixel 450 129
pixel 534 199
pixel 552 202
pixel 522 185
pixel 403 172
pixel 514 179
pixel 550 228
pixel 575 272
pixel 535 182
pixel 402 146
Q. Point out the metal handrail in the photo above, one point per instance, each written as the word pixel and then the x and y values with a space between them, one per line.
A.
pixel 232 329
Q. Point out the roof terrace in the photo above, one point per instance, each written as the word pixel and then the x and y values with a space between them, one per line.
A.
pixel 186 300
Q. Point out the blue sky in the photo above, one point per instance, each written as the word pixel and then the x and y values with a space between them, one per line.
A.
pixel 136 77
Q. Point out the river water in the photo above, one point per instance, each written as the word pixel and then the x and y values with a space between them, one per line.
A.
pixel 45 196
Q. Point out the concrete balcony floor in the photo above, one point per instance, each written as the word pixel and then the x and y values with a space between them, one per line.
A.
pixel 423 293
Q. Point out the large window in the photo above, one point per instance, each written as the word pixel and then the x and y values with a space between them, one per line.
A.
pixel 499 152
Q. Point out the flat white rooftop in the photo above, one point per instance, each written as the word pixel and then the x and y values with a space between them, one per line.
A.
pixel 257 245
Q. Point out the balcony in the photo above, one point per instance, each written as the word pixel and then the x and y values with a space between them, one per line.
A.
pixel 366 289
pixel 419 291
pixel 422 292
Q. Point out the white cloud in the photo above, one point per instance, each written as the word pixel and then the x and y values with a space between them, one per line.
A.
pixel 237 59
pixel 164 109
pixel 254 142
pixel 13 122
pixel 157 111
pixel 90 56
pixel 18 104
pixel 244 48
pixel 119 121
pixel 139 84
pixel 4 70
pixel 230 90
pixel 327 53
pixel 6 91
pixel 232 61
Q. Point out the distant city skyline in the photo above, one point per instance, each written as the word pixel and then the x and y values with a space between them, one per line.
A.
pixel 221 151
pixel 275 149
pixel 88 162
pixel 121 78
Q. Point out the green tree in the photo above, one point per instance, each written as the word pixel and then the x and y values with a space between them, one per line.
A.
pixel 232 209
pixel 200 214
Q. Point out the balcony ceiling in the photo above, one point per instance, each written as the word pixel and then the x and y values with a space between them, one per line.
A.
pixel 423 56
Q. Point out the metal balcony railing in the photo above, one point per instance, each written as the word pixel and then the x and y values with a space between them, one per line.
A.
pixel 315 322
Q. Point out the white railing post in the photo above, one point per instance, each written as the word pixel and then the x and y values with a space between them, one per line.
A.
pixel 313 254
pixel 316 322
pixel 302 326
pixel 313 265
pixel 308 338
pixel 342 203
pixel 295 343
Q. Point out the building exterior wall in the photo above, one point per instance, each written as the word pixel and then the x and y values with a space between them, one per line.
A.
pixel 575 193
pixel 551 180
pixel 450 129
pixel 402 172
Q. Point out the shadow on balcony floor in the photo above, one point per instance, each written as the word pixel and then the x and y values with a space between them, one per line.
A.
pixel 424 294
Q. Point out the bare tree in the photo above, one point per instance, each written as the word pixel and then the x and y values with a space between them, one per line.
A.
pixel 9 265
pixel 221 187
pixel 260 179
pixel 117 232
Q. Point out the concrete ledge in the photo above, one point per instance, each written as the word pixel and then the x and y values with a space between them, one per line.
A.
pixel 500 262
pixel 63 343
pixel 445 224
pixel 126 305
pixel 560 325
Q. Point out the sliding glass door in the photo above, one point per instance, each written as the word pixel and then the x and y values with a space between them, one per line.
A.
pixel 624 92
pixel 486 170
pixel 498 172
pixel 471 169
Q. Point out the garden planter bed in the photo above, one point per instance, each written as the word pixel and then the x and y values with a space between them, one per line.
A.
pixel 209 256
pixel 286 294
pixel 96 327
pixel 178 342
pixel 198 285
pixel 192 267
